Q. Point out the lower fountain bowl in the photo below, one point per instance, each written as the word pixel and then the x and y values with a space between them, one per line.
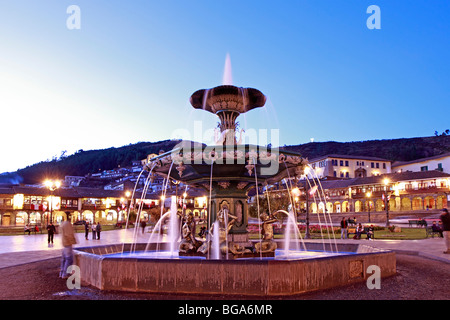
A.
pixel 104 268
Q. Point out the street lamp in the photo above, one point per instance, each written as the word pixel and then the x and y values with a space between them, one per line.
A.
pixel 307 194
pixel 127 206
pixel 368 195
pixel 52 186
pixel 295 194
pixel 386 202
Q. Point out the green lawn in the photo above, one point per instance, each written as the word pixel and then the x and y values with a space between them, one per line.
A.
pixel 405 234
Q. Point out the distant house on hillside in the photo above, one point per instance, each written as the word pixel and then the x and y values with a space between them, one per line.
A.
pixel 73 181
pixel 345 166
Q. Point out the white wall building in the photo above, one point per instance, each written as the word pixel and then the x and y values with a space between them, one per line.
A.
pixel 344 166
pixel 440 163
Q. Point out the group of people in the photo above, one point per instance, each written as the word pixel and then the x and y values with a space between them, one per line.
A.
pixel 445 219
pixel 95 228
pixel 30 229
pixel 358 231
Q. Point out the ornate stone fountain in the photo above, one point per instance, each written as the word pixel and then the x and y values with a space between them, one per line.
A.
pixel 227 171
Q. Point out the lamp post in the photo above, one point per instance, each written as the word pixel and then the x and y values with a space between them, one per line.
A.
pixel 295 194
pixel 127 205
pixel 368 195
pixel 386 202
pixel 306 193
pixel 52 186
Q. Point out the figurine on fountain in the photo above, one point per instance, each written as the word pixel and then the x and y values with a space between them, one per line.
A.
pixel 267 245
pixel 225 222
pixel 188 242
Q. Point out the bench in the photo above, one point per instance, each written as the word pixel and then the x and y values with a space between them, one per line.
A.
pixel 432 233
pixel 418 223
pixel 353 231
pixel 32 229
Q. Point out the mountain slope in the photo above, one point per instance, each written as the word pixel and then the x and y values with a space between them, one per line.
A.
pixel 93 161
pixel 395 150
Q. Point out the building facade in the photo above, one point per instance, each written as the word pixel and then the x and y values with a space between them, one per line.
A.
pixel 405 191
pixel 439 163
pixel 20 205
pixel 342 166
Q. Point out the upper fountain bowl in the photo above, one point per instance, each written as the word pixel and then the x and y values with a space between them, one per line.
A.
pixel 228 98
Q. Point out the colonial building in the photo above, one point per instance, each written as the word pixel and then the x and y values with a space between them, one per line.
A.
pixel 20 205
pixel 405 191
pixel 342 166
pixel 440 163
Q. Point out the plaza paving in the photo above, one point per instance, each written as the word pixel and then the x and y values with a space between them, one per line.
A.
pixel 22 249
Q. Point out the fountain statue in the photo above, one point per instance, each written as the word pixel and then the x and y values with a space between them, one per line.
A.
pixel 267 244
pixel 189 243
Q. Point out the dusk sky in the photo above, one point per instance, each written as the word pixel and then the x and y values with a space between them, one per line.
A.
pixel 127 73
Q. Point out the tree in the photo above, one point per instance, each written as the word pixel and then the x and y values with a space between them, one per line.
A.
pixel 444 133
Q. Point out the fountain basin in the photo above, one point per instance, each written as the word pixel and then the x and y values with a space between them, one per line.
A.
pixel 248 277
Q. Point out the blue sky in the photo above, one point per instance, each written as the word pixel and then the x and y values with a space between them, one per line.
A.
pixel 127 75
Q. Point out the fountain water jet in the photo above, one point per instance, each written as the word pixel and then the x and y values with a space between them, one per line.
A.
pixel 227 75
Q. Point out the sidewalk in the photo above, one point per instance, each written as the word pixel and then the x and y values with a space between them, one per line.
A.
pixel 22 249
pixel 432 248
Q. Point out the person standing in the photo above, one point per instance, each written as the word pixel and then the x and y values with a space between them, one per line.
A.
pixel 344 226
pixel 143 225
pixel 94 231
pixel 98 229
pixel 370 232
pixel 359 231
pixel 68 240
pixel 51 230
pixel 86 230
pixel 445 218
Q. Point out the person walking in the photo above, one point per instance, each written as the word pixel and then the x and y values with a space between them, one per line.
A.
pixel 94 231
pixel 98 229
pixel 344 226
pixel 445 218
pixel 143 225
pixel 51 230
pixel 68 240
pixel 86 230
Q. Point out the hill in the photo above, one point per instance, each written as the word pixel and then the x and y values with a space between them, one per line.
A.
pixel 93 161
pixel 406 149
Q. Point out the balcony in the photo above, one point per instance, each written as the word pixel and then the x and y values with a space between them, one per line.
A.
pixel 90 206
